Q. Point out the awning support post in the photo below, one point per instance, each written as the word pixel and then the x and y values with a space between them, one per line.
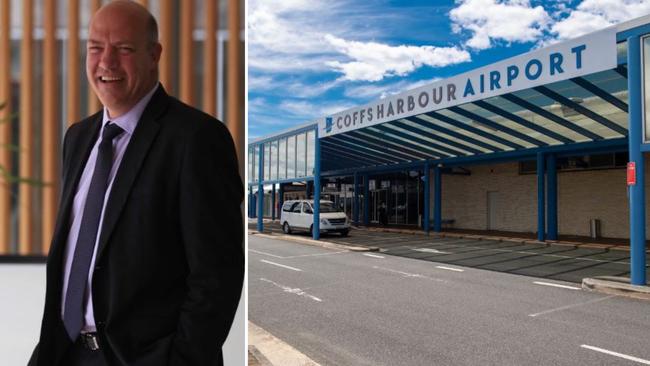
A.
pixel 637 191
pixel 541 227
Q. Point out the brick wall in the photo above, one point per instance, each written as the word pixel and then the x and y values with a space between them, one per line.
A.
pixel 582 195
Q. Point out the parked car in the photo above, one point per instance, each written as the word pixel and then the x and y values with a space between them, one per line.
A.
pixel 299 215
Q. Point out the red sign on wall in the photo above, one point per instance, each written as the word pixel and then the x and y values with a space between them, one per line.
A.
pixel 631 173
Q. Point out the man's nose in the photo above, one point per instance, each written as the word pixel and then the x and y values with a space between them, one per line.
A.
pixel 108 59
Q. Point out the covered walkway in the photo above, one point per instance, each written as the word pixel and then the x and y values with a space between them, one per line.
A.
pixel 576 98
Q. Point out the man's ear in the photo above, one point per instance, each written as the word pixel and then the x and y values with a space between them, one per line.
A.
pixel 156 51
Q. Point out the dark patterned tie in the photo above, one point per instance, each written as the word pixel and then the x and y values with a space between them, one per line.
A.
pixel 73 315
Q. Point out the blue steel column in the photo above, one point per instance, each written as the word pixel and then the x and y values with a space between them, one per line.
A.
pixel 437 199
pixel 355 200
pixel 316 228
pixel 426 197
pixel 260 192
pixel 366 201
pixel 541 227
pixel 273 203
pixel 551 205
pixel 637 191
pixel 251 204
pixel 280 199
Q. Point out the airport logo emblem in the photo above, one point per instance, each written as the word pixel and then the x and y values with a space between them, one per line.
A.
pixel 329 122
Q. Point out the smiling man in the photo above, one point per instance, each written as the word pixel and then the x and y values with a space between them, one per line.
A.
pixel 146 262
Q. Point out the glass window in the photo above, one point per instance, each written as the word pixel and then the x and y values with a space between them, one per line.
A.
pixel 250 165
pixel 301 167
pixel 311 152
pixel 282 159
pixel 274 160
pixel 291 157
pixel 256 168
pixel 267 161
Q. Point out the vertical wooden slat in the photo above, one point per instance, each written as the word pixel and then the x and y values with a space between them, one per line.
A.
pixel 144 3
pixel 166 28
pixel 5 126
pixel 210 58
pixel 186 92
pixel 93 101
pixel 50 155
pixel 235 95
pixel 26 138
pixel 74 67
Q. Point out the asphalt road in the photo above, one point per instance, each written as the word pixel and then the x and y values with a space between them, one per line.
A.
pixel 556 262
pixel 349 308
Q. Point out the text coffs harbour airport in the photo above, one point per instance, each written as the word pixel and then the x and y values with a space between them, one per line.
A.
pixel 581 56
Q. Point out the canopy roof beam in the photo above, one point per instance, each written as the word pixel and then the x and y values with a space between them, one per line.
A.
pixel 497 126
pixel 433 126
pixel 582 110
pixel 522 121
pixel 551 116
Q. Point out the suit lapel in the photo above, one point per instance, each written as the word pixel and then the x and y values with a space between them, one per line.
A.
pixel 143 136
pixel 76 160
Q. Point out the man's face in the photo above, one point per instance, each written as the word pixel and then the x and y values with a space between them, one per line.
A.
pixel 121 61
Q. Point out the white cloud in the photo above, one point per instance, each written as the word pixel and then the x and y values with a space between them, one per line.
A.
pixel 592 15
pixel 494 20
pixel 372 61
pixel 308 110
pixel 373 91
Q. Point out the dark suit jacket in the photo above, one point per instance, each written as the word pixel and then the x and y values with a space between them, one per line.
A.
pixel 170 265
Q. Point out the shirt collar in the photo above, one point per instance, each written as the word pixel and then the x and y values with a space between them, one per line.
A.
pixel 130 119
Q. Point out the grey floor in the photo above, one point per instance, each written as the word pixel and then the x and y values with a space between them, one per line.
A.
pixel 22 290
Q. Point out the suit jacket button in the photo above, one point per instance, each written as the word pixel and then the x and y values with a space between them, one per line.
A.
pixel 100 324
pixel 97 268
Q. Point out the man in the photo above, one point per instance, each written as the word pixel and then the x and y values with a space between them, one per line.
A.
pixel 146 262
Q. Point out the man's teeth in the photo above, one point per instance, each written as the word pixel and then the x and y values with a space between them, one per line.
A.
pixel 109 78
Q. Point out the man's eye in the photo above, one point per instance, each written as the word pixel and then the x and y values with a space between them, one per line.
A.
pixel 126 49
pixel 94 48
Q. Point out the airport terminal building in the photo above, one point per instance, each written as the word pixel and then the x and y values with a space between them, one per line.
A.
pixel 550 142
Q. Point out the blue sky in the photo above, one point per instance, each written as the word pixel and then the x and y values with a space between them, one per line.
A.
pixel 311 58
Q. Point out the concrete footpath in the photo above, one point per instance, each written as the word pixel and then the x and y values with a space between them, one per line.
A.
pixel 264 349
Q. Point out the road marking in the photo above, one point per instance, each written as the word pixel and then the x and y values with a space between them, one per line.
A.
pixel 315 255
pixel 556 285
pixel 621 355
pixel 373 255
pixel 571 306
pixel 451 269
pixel 429 250
pixel 281 265
pixel 264 253
pixel 291 290
pixel 406 274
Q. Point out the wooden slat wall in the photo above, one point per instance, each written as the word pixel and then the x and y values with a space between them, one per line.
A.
pixel 5 128
pixel 235 95
pixel 26 135
pixel 210 58
pixel 93 101
pixel 187 52
pixel 166 29
pixel 170 13
pixel 50 154
pixel 74 66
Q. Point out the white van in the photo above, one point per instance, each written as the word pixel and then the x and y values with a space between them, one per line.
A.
pixel 298 215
